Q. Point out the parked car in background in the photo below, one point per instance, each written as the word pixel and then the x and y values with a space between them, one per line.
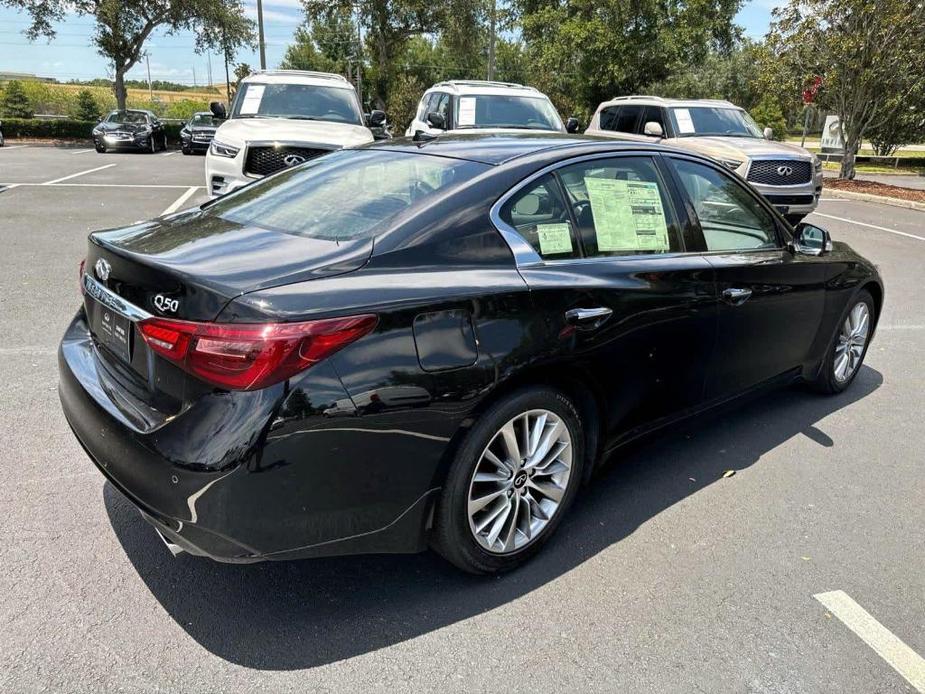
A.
pixel 2 141
pixel 130 129
pixel 787 175
pixel 434 343
pixel 280 119
pixel 467 105
pixel 197 134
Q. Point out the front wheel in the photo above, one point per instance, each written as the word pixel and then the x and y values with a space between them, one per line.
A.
pixel 511 482
pixel 849 346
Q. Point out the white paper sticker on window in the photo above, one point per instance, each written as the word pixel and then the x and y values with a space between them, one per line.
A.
pixel 466 111
pixel 685 124
pixel 554 238
pixel 252 98
pixel 628 215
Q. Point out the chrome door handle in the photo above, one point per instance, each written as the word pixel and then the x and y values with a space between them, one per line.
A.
pixel 736 296
pixel 588 318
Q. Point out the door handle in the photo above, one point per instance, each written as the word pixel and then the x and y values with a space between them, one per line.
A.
pixel 736 296
pixel 588 318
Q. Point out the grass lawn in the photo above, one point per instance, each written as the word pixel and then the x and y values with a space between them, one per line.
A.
pixel 862 167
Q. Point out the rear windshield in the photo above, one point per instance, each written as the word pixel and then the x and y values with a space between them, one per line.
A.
pixel 344 195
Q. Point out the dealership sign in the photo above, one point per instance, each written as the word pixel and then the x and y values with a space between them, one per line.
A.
pixel 831 135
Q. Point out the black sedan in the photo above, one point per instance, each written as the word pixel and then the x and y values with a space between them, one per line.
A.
pixel 416 344
pixel 197 134
pixel 137 130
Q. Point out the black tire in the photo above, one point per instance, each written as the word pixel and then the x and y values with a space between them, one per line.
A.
pixel 100 149
pixel 153 149
pixel 826 381
pixel 452 536
pixel 186 151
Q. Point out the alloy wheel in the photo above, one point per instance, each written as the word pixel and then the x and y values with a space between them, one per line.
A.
pixel 520 481
pixel 849 347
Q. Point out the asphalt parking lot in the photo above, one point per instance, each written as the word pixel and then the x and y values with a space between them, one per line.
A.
pixel 666 577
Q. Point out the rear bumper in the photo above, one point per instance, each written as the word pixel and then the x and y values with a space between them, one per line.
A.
pixel 271 496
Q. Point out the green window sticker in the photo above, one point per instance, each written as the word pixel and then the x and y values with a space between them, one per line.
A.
pixel 554 238
pixel 628 215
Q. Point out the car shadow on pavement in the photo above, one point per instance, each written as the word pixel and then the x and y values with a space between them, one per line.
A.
pixel 294 615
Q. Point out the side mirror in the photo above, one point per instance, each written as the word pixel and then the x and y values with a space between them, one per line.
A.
pixel 768 134
pixel 435 120
pixel 572 125
pixel 218 110
pixel 653 129
pixel 809 239
pixel 376 119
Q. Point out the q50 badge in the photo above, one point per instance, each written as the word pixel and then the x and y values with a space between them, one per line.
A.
pixel 165 304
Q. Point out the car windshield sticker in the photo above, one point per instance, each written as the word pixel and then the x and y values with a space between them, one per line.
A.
pixel 554 238
pixel 466 111
pixel 683 117
pixel 628 215
pixel 252 98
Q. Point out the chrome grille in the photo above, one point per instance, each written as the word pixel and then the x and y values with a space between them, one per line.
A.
pixel 262 161
pixel 780 172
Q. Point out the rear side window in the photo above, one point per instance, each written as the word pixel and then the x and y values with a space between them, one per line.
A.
pixel 622 207
pixel 608 118
pixel 623 119
pixel 731 219
pixel 540 216
pixel 344 195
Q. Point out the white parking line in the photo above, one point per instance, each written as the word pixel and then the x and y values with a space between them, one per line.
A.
pixel 83 151
pixel 180 200
pixel 99 185
pixel 168 154
pixel 887 645
pixel 872 226
pixel 79 173
pixel 7 148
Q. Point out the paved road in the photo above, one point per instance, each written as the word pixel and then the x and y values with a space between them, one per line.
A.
pixel 665 577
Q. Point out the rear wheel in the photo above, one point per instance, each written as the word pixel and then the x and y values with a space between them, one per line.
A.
pixel 513 478
pixel 848 347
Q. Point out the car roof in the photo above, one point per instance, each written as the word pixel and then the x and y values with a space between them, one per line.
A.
pixel 309 77
pixel 499 148
pixel 662 101
pixel 462 87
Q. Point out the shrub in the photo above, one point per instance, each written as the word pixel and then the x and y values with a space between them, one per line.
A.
pixel 768 114
pixel 65 128
pixel 86 108
pixel 15 102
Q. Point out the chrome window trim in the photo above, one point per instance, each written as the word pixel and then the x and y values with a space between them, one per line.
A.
pixel 113 301
pixel 524 253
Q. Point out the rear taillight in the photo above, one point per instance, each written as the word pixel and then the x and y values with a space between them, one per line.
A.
pixel 80 276
pixel 251 356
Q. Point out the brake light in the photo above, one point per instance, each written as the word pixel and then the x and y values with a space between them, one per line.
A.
pixel 251 356
pixel 80 277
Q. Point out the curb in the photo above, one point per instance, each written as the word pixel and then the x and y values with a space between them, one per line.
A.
pixel 867 197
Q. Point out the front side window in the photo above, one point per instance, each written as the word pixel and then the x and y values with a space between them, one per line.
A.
pixel 502 111
pixel 540 216
pixel 299 101
pixel 731 219
pixel 344 195
pixel 711 121
pixel 653 114
pixel 622 207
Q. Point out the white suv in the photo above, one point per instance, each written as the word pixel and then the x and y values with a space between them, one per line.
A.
pixel 279 119
pixel 787 175
pixel 466 105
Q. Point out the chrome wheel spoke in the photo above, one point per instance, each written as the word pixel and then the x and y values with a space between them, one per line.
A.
pixel 519 482
pixel 849 347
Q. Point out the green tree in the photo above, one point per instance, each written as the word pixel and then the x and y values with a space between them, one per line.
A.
pixel 123 26
pixel 15 103
pixel 731 75
pixel 906 128
pixel 86 107
pixel 868 53
pixel 768 114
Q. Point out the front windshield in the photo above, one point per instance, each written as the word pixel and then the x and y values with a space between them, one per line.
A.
pixel 344 195
pixel 206 119
pixel 700 121
pixel 301 101
pixel 496 111
pixel 127 117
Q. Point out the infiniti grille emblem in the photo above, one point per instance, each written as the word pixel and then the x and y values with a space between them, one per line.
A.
pixel 293 159
pixel 784 170
pixel 102 269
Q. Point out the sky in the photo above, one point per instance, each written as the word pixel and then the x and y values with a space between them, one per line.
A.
pixel 70 55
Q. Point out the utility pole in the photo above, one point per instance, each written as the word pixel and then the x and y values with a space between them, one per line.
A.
pixel 263 50
pixel 359 56
pixel 491 41
pixel 194 77
pixel 227 82
pixel 209 56
pixel 150 91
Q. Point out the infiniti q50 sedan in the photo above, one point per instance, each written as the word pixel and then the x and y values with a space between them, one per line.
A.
pixel 415 344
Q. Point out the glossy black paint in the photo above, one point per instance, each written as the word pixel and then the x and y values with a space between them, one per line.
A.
pixel 348 456
pixel 196 137
pixel 141 134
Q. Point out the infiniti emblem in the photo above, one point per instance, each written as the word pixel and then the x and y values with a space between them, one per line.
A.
pixel 520 480
pixel 102 269
pixel 293 159
pixel 784 170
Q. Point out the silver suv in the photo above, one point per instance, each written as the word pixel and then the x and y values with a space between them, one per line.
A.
pixel 787 175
